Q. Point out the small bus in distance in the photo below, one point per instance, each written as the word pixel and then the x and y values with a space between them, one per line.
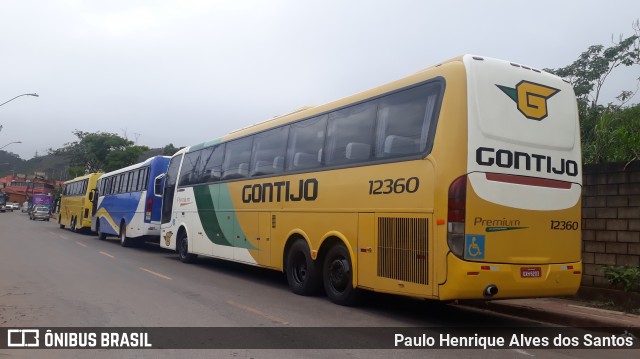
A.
pixel 127 204
pixel 3 202
pixel 460 181
pixel 77 202
pixel 41 199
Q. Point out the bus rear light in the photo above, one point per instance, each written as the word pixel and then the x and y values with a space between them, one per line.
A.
pixel 457 200
pixel 489 268
pixel 147 215
pixel 456 215
pixel 456 243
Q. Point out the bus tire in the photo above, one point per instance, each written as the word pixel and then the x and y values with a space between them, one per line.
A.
pixel 124 241
pixel 101 235
pixel 303 275
pixel 338 276
pixel 182 247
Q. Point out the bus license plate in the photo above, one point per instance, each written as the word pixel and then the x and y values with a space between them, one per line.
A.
pixel 530 272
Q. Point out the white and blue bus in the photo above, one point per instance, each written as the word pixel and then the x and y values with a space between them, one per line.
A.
pixel 128 205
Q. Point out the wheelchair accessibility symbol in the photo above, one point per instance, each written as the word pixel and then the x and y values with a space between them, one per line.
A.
pixel 474 246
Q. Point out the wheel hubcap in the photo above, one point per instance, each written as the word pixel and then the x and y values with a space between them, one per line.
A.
pixel 300 268
pixel 339 274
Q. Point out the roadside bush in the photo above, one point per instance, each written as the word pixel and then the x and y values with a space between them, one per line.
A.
pixel 615 136
pixel 624 277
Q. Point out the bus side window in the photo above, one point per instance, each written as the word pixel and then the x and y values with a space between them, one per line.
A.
pixel 350 134
pixel 211 161
pixel 133 184
pixel 404 121
pixel 107 186
pixel 236 158
pixel 188 174
pixel 158 185
pixel 267 146
pixel 306 140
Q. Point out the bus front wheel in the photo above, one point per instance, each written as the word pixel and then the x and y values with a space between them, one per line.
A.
pixel 302 274
pixel 338 276
pixel 101 235
pixel 182 247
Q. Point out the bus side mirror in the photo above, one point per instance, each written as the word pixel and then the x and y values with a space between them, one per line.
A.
pixel 92 195
pixel 158 187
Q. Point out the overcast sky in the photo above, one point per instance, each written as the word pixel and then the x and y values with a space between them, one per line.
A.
pixel 188 71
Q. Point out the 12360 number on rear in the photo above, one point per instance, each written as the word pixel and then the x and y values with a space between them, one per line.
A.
pixel 399 185
pixel 565 225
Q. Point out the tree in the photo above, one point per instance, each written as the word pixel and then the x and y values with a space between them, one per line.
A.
pixel 99 151
pixel 169 150
pixel 589 73
pixel 601 125
pixel 9 162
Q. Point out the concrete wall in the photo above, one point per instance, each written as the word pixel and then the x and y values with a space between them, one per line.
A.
pixel 610 219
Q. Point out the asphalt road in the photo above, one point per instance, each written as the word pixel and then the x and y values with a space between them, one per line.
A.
pixel 51 277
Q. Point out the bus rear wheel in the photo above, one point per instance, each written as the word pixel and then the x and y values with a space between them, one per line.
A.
pixel 338 276
pixel 182 247
pixel 302 274
pixel 124 241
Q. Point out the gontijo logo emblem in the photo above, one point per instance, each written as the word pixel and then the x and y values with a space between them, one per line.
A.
pixel 530 98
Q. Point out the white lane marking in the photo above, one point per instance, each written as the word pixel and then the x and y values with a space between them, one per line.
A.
pixel 155 273
pixel 258 312
pixel 520 351
pixel 107 254
pixel 82 244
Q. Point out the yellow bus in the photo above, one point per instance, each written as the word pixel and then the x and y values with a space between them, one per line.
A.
pixel 460 181
pixel 77 202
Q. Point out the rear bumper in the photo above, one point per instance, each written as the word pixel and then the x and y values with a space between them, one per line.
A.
pixel 468 280
pixel 152 229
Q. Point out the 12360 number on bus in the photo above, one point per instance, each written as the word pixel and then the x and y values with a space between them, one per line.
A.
pixel 389 185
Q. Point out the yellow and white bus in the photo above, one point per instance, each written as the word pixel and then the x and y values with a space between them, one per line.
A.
pixel 460 181
pixel 77 202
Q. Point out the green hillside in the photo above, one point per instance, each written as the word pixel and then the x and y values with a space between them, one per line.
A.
pixel 53 166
